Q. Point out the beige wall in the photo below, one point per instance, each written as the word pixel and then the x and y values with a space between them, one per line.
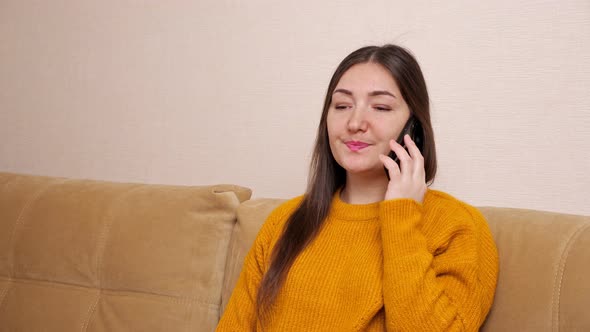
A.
pixel 200 92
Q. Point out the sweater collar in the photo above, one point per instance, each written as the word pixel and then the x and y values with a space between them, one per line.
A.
pixel 353 212
pixel 359 212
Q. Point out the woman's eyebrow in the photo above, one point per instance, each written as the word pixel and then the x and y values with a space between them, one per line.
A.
pixel 371 94
pixel 381 92
pixel 346 92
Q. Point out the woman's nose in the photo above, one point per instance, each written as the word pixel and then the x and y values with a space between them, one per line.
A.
pixel 357 120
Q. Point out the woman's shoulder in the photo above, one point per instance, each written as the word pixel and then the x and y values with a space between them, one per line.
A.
pixel 286 208
pixel 446 206
pixel 279 215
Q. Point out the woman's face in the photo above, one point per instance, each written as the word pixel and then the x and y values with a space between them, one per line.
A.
pixel 366 112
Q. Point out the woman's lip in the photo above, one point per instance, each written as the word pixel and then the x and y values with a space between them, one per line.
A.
pixel 356 145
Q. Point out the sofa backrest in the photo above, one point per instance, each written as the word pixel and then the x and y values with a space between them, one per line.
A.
pixel 544 264
pixel 79 255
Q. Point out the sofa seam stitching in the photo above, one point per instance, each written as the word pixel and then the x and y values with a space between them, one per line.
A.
pixel 90 313
pixel 102 238
pixel 113 292
pixel 19 222
pixel 559 276
pixel 190 316
pixel 101 247
pixel 5 292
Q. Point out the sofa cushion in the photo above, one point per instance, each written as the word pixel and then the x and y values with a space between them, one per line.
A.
pixel 250 217
pixel 103 256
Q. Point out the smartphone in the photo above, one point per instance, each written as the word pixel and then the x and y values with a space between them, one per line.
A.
pixel 414 129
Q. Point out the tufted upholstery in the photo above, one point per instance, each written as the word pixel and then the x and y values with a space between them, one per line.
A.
pixel 78 255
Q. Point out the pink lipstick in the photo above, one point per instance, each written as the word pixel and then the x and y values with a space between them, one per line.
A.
pixel 356 145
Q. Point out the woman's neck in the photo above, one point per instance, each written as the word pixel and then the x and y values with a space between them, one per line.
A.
pixel 364 189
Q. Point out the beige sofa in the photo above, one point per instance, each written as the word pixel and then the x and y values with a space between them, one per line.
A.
pixel 80 255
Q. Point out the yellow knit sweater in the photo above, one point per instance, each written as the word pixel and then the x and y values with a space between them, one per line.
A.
pixel 395 265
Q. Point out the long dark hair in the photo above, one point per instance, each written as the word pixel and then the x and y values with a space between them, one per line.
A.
pixel 326 176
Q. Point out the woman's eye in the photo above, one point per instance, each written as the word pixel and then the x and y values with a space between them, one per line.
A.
pixel 341 107
pixel 383 108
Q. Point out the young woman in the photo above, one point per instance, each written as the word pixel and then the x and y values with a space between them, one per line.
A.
pixel 369 247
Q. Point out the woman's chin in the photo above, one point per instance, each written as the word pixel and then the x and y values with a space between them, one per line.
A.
pixel 359 170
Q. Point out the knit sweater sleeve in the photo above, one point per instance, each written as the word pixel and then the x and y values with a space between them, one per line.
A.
pixel 440 265
pixel 240 313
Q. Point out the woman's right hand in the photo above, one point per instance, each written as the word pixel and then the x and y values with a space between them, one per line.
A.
pixel 410 180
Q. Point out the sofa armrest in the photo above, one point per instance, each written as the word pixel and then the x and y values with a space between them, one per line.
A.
pixel 542 283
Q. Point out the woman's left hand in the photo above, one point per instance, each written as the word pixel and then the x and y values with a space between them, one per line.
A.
pixel 409 182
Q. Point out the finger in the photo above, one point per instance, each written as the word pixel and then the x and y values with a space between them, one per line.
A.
pixel 402 155
pixel 399 150
pixel 417 158
pixel 390 165
pixel 412 147
pixel 415 154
